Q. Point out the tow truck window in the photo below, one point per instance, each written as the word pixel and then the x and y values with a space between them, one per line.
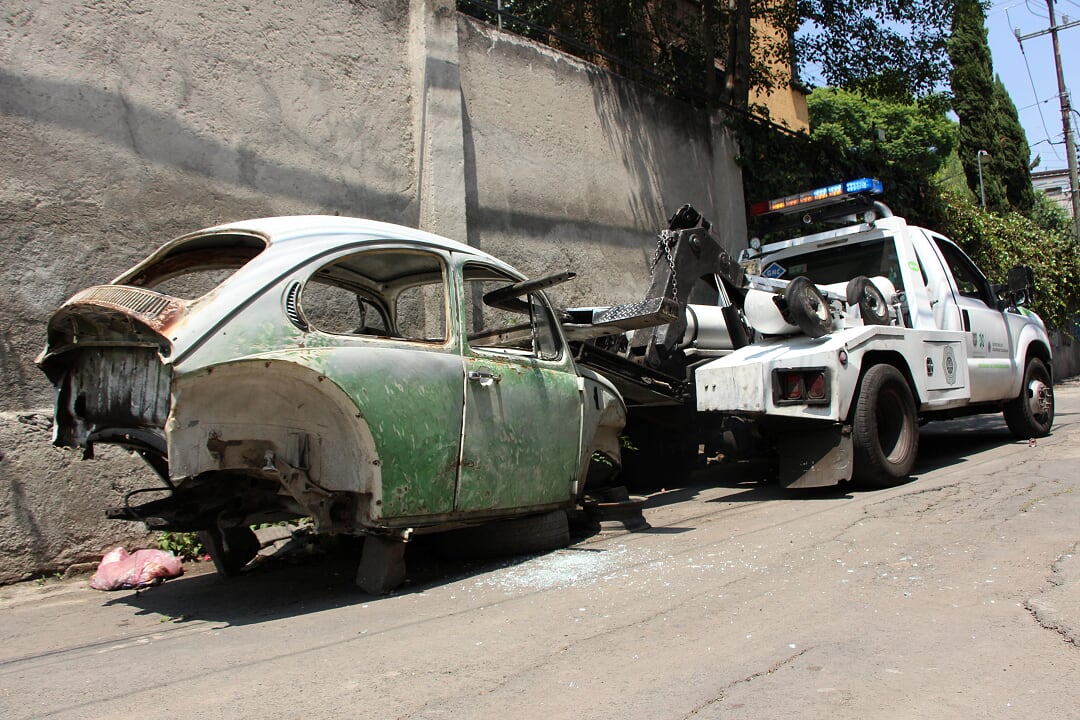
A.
pixel 840 264
pixel 969 280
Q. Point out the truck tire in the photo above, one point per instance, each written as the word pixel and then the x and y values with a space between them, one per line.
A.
pixel 1031 414
pixel 864 294
pixel 885 428
pixel 807 307
pixel 230 548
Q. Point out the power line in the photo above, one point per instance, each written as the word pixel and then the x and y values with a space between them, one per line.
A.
pixel 1035 93
pixel 1006 8
pixel 1034 12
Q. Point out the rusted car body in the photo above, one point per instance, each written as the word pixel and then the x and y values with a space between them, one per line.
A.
pixel 375 378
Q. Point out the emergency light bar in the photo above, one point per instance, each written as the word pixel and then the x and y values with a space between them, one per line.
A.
pixel 819 197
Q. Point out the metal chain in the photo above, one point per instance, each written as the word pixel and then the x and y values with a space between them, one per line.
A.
pixel 664 241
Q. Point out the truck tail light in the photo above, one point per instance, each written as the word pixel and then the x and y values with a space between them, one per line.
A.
pixel 801 386
pixel 793 387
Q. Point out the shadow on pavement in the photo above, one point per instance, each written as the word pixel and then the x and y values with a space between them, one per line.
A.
pixel 302 584
pixel 951 442
pixel 295 585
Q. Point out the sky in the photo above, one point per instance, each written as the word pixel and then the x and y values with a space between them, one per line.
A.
pixel 1030 76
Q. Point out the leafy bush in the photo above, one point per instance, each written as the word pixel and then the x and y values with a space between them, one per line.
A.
pixel 997 242
pixel 185 546
pixel 901 144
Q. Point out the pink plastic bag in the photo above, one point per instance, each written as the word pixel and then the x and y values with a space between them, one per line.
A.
pixel 121 570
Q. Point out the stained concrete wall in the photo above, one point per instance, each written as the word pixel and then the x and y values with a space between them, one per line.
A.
pixel 572 167
pixel 125 124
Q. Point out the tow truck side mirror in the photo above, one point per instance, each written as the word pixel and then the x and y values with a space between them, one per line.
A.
pixel 1020 288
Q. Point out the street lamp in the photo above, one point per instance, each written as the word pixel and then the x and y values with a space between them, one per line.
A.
pixel 982 192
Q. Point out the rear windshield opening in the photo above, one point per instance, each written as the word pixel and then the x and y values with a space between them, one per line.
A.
pixel 192 268
pixel 840 264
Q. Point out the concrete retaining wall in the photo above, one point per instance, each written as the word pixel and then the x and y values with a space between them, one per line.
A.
pixel 126 124
pixel 1066 355
pixel 572 167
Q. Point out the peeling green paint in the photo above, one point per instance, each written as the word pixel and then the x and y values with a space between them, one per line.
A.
pixel 413 401
pixel 521 435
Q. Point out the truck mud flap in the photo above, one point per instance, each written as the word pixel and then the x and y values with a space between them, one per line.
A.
pixel 816 457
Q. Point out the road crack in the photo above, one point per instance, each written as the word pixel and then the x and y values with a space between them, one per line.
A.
pixel 1054 609
pixel 780 664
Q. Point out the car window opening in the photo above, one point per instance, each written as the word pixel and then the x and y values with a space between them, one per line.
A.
pixel 392 294
pixel 524 327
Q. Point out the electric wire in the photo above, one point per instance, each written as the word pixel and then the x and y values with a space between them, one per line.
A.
pixel 1035 93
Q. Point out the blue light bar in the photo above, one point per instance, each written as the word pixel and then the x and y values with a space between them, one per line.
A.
pixel 863 185
pixel 818 197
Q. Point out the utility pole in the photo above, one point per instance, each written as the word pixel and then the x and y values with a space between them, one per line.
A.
pixel 982 192
pixel 1066 120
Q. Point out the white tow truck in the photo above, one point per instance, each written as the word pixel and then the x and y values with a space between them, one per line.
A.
pixel 827 351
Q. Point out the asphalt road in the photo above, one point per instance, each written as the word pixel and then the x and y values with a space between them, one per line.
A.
pixel 954 596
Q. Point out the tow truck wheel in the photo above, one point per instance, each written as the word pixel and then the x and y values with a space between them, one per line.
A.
pixel 808 307
pixel 1032 413
pixel 864 294
pixel 230 548
pixel 884 428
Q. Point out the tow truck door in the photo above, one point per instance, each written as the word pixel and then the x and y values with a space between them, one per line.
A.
pixel 990 351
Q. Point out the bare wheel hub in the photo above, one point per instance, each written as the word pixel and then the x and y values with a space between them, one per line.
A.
pixel 1040 398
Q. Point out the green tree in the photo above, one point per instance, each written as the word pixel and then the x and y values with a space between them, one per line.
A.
pixel 903 144
pixel 1013 151
pixel 886 48
pixel 893 49
pixel 988 119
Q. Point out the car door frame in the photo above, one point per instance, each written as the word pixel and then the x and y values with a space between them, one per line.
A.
pixel 521 426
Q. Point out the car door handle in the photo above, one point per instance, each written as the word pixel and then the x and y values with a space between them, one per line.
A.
pixel 484 377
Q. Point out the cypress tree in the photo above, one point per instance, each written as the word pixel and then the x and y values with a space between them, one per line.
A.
pixel 988 119
pixel 1014 152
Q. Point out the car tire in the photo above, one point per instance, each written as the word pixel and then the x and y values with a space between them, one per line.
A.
pixel 808 308
pixel 864 294
pixel 230 548
pixel 518 536
pixel 885 429
pixel 1031 414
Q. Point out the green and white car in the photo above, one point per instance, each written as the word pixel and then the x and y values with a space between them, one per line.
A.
pixel 380 380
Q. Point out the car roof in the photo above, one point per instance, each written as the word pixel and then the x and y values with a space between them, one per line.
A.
pixel 291 239
pixel 291 228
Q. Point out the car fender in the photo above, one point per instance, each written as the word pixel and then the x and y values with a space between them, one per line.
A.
pixel 1031 341
pixel 292 417
pixel 603 420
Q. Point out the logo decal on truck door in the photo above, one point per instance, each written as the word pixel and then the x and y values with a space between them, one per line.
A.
pixel 949 361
